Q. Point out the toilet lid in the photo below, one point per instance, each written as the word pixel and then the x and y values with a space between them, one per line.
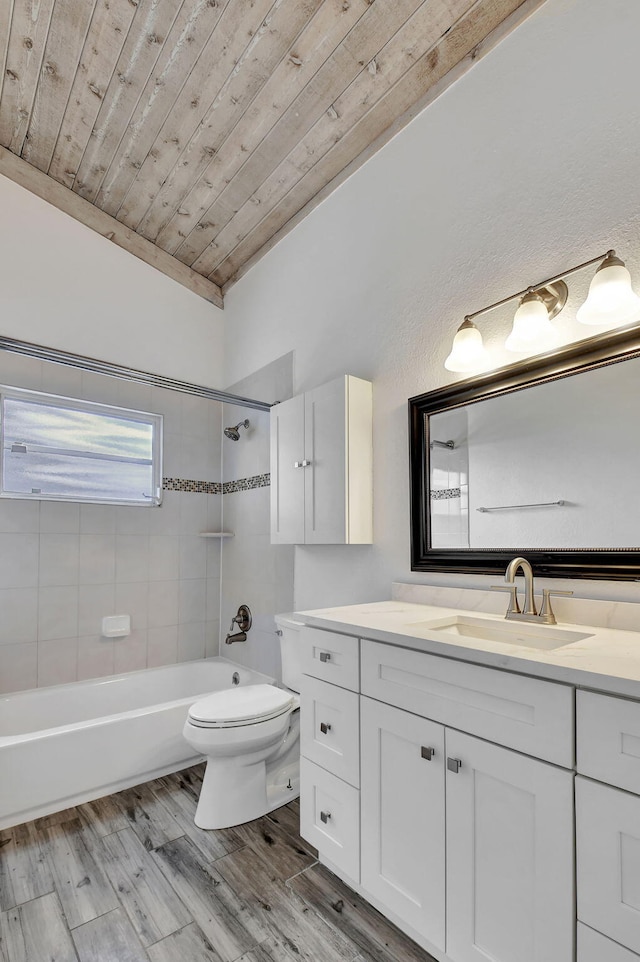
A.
pixel 241 706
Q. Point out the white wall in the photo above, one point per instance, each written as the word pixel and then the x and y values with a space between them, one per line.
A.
pixel 67 287
pixel 524 167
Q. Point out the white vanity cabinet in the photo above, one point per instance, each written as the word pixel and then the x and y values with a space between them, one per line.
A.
pixel 322 465
pixel 608 819
pixel 467 845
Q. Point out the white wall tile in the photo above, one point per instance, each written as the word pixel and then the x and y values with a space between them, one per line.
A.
pixel 213 599
pixel 96 657
pixel 133 600
pixel 166 518
pixel 192 601
pixel 132 557
pixel 20 517
pixel 18 370
pixel 94 603
pixel 193 513
pixel 57 661
pixel 59 556
pixel 98 518
pixel 164 558
pixel 163 603
pixel 19 557
pixel 162 646
pixel 191 641
pixel 97 559
pixel 62 380
pixel 57 613
pixel 59 517
pixel 193 556
pixel 18 667
pixel 212 639
pixel 132 520
pixel 19 620
pixel 130 654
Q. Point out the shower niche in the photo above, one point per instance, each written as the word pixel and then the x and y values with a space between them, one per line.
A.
pixel 322 465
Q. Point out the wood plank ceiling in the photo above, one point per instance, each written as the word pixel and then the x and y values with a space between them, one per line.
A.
pixel 197 131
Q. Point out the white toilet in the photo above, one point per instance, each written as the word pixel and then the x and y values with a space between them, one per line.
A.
pixel 251 738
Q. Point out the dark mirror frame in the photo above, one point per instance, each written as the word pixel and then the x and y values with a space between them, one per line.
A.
pixel 574 359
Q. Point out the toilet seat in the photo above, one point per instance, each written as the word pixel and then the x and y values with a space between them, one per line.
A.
pixel 237 707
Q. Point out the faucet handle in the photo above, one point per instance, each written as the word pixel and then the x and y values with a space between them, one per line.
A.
pixel 546 610
pixel 512 588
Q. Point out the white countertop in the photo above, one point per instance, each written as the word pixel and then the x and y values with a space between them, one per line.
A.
pixel 608 660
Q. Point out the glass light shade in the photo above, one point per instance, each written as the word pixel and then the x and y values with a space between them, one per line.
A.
pixel 611 298
pixel 532 330
pixel 467 353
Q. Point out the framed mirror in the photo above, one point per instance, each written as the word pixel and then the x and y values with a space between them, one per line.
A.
pixel 540 458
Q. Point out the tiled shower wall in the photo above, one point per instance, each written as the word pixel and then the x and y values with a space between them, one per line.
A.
pixel 64 566
pixel 254 572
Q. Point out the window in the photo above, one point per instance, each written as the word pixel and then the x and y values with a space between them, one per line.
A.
pixel 61 449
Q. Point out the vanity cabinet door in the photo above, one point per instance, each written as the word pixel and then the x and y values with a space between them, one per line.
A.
pixel 287 480
pixel 608 863
pixel 402 816
pixel 510 875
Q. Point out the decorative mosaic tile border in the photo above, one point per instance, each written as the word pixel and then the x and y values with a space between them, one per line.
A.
pixel 247 484
pixel 193 487
pixel 443 494
pixel 216 487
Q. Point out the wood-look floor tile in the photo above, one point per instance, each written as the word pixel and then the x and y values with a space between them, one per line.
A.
pixel 285 854
pixel 84 890
pixel 368 930
pixel 36 932
pixel 103 815
pixel 109 938
pixel 24 871
pixel 288 819
pixel 180 797
pixel 188 945
pixel 66 815
pixel 225 919
pixel 285 916
pixel 154 909
pixel 148 817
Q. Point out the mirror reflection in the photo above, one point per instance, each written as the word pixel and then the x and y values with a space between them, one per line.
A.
pixel 555 465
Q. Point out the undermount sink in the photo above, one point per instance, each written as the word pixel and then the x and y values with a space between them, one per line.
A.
pixel 544 637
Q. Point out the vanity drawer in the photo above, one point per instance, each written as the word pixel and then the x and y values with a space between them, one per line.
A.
pixel 608 739
pixel 533 716
pixel 331 657
pixel 330 728
pixel 330 817
pixel 608 861
pixel 593 947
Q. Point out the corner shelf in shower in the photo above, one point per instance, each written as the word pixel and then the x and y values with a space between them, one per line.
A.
pixel 216 534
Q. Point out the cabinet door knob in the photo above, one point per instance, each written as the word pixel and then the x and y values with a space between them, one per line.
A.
pixel 297 464
pixel 325 727
pixel 305 464
pixel 325 656
pixel 325 816
pixel 427 753
pixel 454 765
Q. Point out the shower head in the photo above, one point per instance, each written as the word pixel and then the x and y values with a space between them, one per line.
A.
pixel 233 433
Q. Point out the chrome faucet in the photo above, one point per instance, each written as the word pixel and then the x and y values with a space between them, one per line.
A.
pixel 514 613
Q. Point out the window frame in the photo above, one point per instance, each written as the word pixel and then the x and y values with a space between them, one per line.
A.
pixel 88 407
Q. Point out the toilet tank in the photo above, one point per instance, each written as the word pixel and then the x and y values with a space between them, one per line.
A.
pixel 289 634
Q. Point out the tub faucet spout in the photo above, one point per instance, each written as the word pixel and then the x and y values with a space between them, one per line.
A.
pixel 236 636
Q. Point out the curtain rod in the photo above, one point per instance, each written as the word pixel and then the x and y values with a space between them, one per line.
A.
pixel 127 373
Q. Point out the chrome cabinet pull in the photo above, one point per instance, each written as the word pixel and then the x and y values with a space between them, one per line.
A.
pixel 427 753
pixel 325 656
pixel 305 464
pixel 325 816
pixel 454 765
pixel 297 464
pixel 325 727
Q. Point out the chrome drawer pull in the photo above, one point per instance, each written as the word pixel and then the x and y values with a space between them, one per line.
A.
pixel 454 765
pixel 325 816
pixel 325 656
pixel 305 464
pixel 427 753
pixel 325 727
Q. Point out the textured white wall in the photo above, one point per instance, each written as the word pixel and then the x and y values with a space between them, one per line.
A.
pixel 525 166
pixel 64 286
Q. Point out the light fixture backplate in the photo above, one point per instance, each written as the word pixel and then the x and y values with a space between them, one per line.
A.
pixel 554 297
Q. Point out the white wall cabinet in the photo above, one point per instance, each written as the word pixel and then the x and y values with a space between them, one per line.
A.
pixel 322 465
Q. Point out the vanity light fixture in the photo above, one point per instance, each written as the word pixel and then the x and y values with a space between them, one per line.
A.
pixel 611 301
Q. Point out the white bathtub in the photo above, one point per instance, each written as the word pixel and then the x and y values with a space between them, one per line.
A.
pixel 68 744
